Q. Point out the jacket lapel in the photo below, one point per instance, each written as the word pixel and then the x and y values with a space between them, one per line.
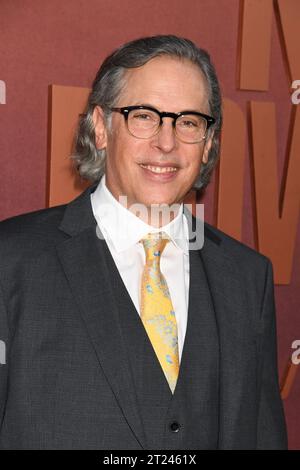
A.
pixel 83 261
pixel 236 346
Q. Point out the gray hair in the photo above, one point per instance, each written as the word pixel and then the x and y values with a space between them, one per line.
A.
pixel 109 83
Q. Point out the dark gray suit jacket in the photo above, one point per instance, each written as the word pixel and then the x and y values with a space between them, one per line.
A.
pixel 66 382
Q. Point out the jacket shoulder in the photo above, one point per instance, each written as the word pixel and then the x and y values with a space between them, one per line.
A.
pixel 31 230
pixel 236 249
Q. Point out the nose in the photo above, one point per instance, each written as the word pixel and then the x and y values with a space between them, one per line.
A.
pixel 166 138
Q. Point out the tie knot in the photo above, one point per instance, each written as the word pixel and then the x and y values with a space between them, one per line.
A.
pixel 154 244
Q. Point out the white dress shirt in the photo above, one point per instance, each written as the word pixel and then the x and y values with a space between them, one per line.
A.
pixel 122 231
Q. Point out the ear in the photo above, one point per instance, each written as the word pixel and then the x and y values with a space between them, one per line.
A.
pixel 206 149
pixel 100 128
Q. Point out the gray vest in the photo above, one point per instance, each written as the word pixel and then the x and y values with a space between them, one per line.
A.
pixel 189 418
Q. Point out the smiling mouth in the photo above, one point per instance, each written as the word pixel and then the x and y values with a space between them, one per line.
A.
pixel 160 169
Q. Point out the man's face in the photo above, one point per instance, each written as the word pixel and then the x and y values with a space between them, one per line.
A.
pixel 166 84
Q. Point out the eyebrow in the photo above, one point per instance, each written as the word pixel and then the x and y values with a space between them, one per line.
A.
pixel 146 104
pixel 152 106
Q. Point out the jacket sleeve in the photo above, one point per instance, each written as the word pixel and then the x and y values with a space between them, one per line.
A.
pixel 4 338
pixel 271 431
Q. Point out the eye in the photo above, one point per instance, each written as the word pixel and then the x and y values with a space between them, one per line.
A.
pixel 188 123
pixel 142 116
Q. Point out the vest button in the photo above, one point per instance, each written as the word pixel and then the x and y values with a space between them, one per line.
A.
pixel 174 426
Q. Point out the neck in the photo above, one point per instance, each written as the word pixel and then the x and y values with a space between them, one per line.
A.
pixel 156 215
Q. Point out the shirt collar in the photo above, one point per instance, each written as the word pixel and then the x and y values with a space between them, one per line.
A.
pixel 124 229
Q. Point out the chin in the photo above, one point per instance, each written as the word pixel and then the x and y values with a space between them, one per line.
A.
pixel 160 201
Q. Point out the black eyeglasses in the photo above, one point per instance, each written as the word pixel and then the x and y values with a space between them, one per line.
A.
pixel 144 122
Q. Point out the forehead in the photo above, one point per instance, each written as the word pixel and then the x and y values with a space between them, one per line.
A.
pixel 167 83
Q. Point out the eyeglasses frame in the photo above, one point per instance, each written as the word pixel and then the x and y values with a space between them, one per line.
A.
pixel 210 121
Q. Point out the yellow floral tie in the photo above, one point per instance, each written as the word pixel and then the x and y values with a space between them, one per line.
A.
pixel 157 311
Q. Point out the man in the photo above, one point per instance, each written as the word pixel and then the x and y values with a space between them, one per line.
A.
pixel 120 332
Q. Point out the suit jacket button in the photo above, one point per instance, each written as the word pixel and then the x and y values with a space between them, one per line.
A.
pixel 174 426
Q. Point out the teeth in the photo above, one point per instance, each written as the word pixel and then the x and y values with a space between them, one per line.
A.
pixel 158 169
